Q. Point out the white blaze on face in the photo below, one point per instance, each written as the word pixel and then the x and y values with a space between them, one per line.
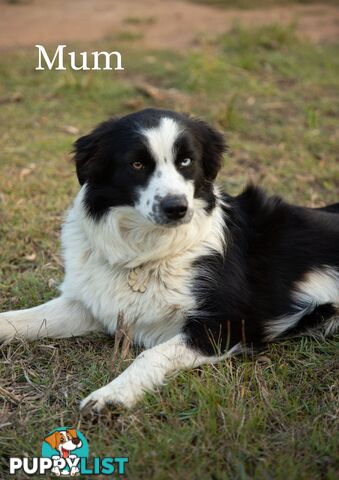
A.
pixel 165 180
pixel 68 443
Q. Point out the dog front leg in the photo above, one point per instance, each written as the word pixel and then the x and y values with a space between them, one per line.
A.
pixel 147 372
pixel 58 318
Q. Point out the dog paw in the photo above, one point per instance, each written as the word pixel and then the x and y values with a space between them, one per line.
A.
pixel 7 327
pixel 109 396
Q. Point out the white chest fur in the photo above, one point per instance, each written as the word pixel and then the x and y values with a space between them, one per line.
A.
pixel 100 258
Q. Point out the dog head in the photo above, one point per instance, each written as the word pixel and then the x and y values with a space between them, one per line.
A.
pixel 156 161
pixel 64 441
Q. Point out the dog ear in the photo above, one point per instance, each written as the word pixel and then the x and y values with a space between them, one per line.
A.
pixel 87 158
pixel 213 148
pixel 84 150
pixel 72 432
pixel 53 440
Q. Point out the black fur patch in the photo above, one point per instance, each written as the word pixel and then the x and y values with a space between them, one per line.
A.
pixel 271 245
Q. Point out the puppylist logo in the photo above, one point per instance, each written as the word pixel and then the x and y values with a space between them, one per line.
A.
pixel 64 452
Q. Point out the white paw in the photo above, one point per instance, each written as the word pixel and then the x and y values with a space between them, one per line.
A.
pixel 113 394
pixel 7 326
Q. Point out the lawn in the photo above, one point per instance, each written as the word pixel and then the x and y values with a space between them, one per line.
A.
pixel 270 416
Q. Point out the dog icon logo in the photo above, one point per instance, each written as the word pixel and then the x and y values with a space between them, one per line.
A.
pixel 65 446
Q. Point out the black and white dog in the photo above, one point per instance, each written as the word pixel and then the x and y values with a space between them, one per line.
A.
pixel 198 275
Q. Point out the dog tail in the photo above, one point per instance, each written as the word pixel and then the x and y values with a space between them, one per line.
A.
pixel 334 208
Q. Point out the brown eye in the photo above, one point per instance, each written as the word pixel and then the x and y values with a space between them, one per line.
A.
pixel 62 440
pixel 138 165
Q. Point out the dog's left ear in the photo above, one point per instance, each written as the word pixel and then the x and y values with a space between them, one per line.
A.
pixel 213 147
pixel 72 433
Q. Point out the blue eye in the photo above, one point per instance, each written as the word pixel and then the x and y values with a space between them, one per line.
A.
pixel 186 162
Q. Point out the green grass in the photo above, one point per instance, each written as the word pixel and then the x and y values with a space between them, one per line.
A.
pixel 272 416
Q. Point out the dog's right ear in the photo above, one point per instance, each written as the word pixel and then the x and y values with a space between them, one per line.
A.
pixel 87 158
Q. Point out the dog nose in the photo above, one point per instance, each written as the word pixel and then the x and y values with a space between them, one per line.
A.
pixel 76 440
pixel 174 206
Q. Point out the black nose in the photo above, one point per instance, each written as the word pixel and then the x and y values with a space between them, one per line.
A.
pixel 76 440
pixel 174 206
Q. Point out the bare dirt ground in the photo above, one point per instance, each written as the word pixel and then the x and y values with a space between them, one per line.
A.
pixel 156 23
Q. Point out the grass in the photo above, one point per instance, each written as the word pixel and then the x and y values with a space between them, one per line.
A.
pixel 272 416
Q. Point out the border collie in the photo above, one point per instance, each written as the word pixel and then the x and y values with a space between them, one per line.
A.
pixel 197 274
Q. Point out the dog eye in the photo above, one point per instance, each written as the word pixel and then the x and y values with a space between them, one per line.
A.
pixel 186 162
pixel 138 165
